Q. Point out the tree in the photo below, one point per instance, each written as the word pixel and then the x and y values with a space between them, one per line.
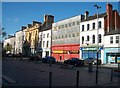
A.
pixel 8 47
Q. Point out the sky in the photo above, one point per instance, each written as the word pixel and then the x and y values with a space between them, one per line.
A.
pixel 17 14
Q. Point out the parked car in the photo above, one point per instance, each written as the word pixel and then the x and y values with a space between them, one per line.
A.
pixel 48 59
pixel 92 60
pixel 89 60
pixel 74 61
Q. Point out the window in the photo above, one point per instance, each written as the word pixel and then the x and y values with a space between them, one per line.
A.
pixel 87 38
pixel 43 35
pixel 62 26
pixel 58 27
pixel 66 25
pixel 111 40
pixel 56 37
pixel 93 25
pixel 99 38
pixel 82 40
pixel 77 34
pixel 88 26
pixel 99 24
pixel 62 36
pixel 69 24
pixel 117 39
pixel 43 43
pixel 59 37
pixel 82 27
pixel 73 23
pixel 47 44
pixel 47 35
pixel 70 35
pixel 93 39
pixel 73 35
pixel 65 36
pixel 77 22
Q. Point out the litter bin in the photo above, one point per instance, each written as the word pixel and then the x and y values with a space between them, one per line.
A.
pixel 90 67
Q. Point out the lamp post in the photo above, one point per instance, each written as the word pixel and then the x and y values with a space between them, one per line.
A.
pixel 98 7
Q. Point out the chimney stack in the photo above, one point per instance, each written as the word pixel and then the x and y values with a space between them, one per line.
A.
pixel 86 14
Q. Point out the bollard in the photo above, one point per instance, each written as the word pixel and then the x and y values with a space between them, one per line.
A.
pixel 111 75
pixel 50 79
pixel 96 76
pixel 77 79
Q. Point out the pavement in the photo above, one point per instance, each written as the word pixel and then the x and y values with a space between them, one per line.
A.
pixel 37 74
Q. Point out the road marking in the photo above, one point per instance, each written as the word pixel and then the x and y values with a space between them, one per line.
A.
pixel 8 79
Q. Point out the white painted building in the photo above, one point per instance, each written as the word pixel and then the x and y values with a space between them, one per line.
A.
pixel 11 41
pixel 112 47
pixel 90 28
pixel 46 43
pixel 18 41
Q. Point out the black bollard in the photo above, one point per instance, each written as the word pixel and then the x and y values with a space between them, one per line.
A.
pixel 111 75
pixel 50 79
pixel 77 79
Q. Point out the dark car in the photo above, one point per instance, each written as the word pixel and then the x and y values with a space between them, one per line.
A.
pixel 48 59
pixel 88 60
pixel 74 61
pixel 92 60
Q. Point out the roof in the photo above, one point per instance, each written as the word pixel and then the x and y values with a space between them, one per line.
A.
pixel 46 28
pixel 94 17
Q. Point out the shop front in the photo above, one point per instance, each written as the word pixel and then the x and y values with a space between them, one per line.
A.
pixel 90 52
pixel 112 55
pixel 65 51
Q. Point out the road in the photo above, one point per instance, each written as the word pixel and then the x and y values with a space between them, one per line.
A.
pixel 30 73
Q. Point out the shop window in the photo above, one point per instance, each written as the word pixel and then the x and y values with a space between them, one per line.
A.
pixel 117 39
pixel 111 40
pixel 93 39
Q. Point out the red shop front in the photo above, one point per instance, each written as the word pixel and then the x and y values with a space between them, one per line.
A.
pixel 65 51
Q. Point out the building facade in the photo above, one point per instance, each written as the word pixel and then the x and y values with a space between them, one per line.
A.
pixel 9 44
pixel 45 36
pixel 65 38
pixel 92 36
pixel 32 35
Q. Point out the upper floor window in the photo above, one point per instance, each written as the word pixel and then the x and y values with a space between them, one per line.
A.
pixel 66 25
pixel 65 36
pixel 73 23
pixel 62 36
pixel 111 40
pixel 99 38
pixel 93 25
pixel 93 39
pixel 62 26
pixel 43 43
pixel 69 24
pixel 47 44
pixel 70 35
pixel 43 35
pixel 88 27
pixel 82 40
pixel 73 35
pixel 82 27
pixel 117 39
pixel 99 24
pixel 77 22
pixel 59 27
pixel 47 35
pixel 77 34
pixel 88 38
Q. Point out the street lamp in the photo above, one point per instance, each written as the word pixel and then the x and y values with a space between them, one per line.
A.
pixel 98 7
